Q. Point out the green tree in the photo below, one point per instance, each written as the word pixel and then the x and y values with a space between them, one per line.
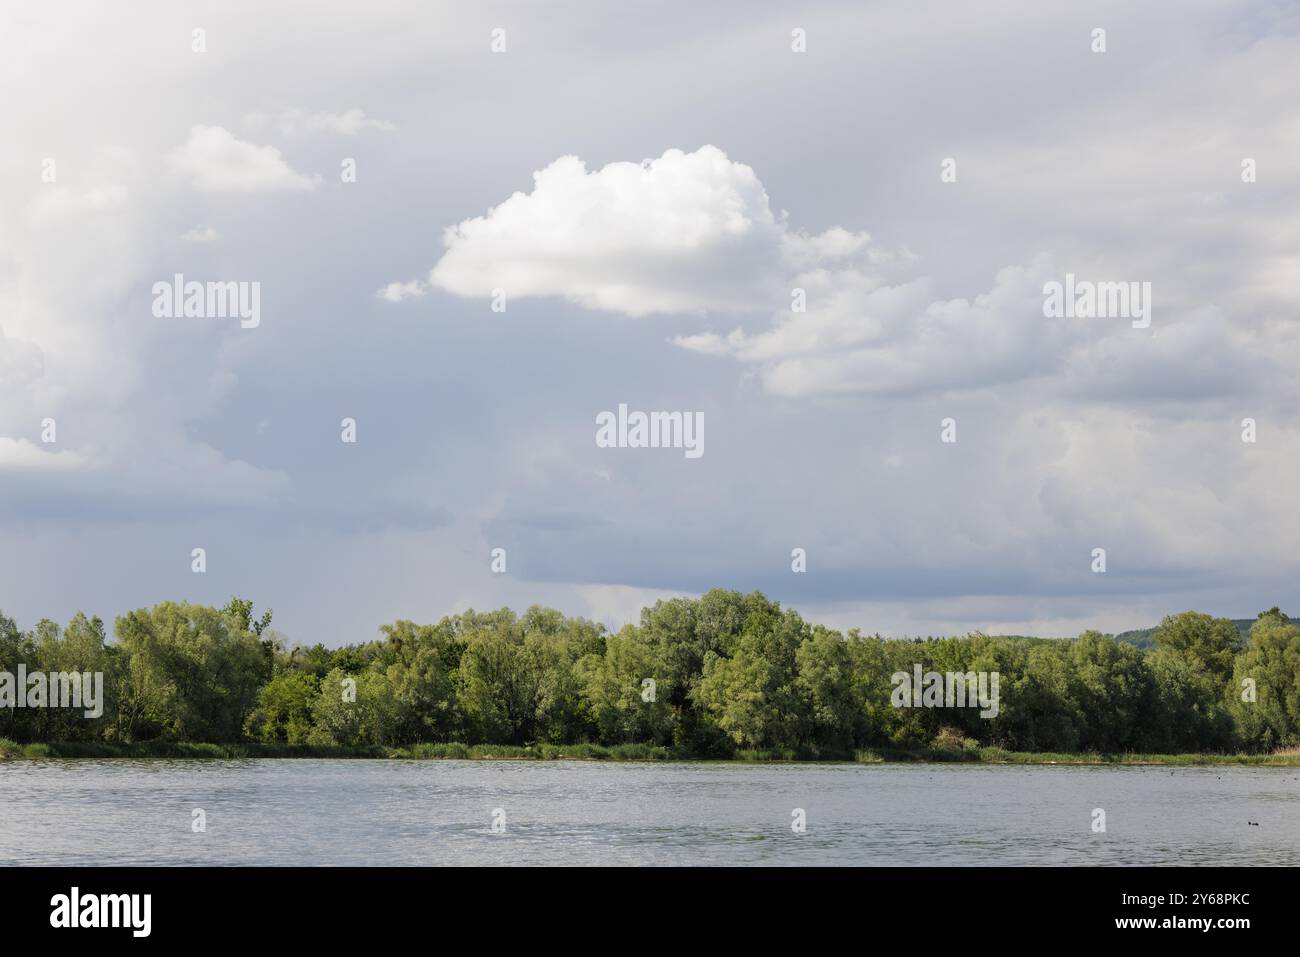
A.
pixel 193 672
pixel 1270 666
pixel 751 692
pixel 355 710
pixel 824 679
pixel 424 674
pixel 283 712
pixel 1114 693
pixel 621 706
pixel 498 692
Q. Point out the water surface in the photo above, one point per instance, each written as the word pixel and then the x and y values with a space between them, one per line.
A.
pixel 339 812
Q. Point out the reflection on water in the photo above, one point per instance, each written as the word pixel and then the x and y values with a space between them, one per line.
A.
pixel 440 812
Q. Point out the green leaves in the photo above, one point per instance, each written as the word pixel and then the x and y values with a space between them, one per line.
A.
pixel 705 677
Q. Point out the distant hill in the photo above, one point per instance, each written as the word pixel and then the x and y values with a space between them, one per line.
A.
pixel 1145 637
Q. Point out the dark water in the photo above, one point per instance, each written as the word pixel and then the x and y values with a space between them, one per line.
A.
pixel 440 812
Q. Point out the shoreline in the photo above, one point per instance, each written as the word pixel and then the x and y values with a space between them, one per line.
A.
pixel 641 753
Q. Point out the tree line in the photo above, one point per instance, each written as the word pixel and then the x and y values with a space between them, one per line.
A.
pixel 704 677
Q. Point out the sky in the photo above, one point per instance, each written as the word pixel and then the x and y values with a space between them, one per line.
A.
pixel 476 227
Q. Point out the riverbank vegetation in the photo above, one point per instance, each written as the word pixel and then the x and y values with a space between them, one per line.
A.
pixel 456 751
pixel 727 675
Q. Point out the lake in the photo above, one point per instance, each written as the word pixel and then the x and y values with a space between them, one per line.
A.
pixel 342 812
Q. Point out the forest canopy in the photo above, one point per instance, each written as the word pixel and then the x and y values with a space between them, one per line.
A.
pixel 702 677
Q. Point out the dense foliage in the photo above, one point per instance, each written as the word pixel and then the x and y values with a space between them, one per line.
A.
pixel 703 677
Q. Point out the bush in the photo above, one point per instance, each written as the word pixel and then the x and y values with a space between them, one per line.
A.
pixel 949 739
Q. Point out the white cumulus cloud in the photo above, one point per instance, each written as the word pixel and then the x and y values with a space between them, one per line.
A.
pixel 201 234
pixel 216 161
pixel 291 122
pixel 398 291
pixel 687 232
pixel 20 454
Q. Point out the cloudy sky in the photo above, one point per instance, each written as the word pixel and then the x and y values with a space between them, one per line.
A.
pixel 648 190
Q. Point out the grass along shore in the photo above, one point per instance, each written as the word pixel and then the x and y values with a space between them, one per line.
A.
pixel 1288 757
